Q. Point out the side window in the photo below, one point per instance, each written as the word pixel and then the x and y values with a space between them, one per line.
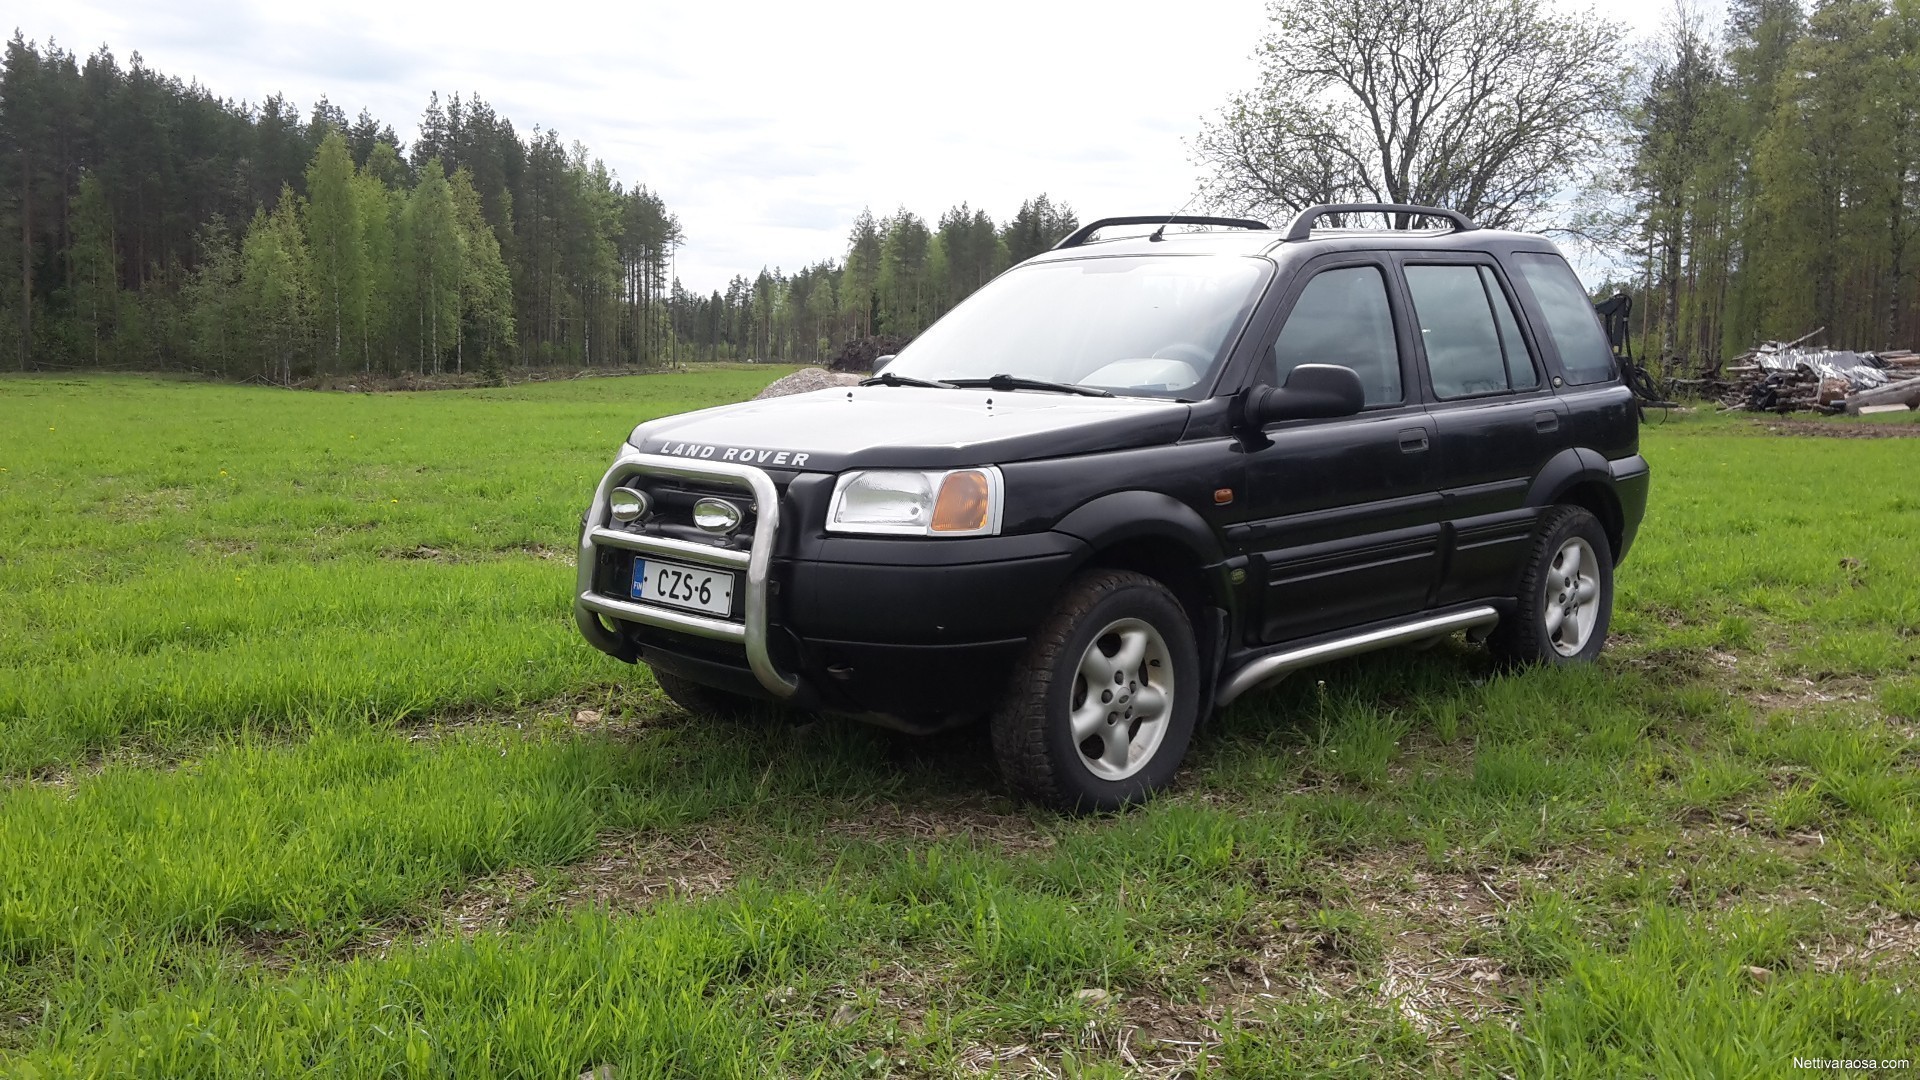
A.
pixel 1456 325
pixel 1342 318
pixel 1521 374
pixel 1585 356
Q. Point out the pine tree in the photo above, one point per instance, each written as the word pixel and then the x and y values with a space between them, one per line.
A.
pixel 858 281
pixel 23 135
pixel 903 284
pixel 1038 225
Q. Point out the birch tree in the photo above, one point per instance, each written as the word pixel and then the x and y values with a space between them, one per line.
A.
pixel 430 261
pixel 336 243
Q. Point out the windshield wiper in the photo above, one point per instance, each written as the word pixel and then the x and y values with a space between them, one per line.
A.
pixel 1010 383
pixel 888 378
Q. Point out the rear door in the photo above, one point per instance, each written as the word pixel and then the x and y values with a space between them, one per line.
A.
pixel 1498 419
pixel 1343 521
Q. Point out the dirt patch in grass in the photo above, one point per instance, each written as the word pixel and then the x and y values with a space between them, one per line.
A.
pixel 1841 429
pixel 379 383
pixel 1402 940
pixel 1427 920
pixel 930 823
pixel 633 871
pixel 429 553
pixel 612 708
pixel 423 553
pixel 1886 939
pixel 624 872
pixel 223 548
pixel 1149 1036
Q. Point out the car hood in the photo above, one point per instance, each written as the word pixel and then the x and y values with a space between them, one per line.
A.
pixel 910 427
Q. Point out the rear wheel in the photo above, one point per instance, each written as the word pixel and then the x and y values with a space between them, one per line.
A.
pixel 1103 704
pixel 1565 599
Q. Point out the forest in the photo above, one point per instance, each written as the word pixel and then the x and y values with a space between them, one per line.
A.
pixel 1772 174
pixel 152 224
pixel 1756 178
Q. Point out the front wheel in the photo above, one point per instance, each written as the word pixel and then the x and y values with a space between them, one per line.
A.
pixel 1565 599
pixel 1103 704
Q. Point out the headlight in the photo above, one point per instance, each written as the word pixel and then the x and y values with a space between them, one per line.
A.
pixel 895 502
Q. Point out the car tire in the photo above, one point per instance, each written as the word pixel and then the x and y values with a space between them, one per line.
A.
pixel 703 700
pixel 1133 730
pixel 1564 602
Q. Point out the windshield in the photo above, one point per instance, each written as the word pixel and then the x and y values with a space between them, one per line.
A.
pixel 1148 325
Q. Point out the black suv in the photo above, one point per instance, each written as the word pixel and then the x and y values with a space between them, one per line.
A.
pixel 1132 479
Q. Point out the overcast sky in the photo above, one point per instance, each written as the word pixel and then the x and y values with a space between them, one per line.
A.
pixel 765 126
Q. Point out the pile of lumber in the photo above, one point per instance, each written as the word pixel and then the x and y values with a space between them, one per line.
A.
pixel 1789 376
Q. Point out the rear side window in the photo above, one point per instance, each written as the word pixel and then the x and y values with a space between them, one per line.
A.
pixel 1520 371
pixel 1584 354
pixel 1464 356
pixel 1342 318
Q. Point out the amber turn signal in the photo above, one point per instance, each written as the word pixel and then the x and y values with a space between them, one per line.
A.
pixel 964 504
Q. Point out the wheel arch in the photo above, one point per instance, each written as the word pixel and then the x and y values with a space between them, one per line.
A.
pixel 1576 477
pixel 1156 535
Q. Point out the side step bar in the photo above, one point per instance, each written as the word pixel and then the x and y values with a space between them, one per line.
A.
pixel 1276 666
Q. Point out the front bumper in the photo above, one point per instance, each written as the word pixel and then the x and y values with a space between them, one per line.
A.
pixel 914 633
pixel 751 633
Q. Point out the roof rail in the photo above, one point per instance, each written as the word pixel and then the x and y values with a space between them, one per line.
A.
pixel 1080 235
pixel 1302 226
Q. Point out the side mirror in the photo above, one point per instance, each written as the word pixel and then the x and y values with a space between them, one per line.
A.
pixel 1313 391
pixel 880 362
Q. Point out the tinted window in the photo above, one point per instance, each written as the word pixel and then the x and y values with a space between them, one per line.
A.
pixel 1520 371
pixel 1571 323
pixel 1456 325
pixel 1342 318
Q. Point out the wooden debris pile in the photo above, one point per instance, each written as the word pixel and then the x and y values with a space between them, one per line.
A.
pixel 1790 376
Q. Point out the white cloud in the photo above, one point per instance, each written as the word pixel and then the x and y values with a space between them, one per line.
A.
pixel 765 126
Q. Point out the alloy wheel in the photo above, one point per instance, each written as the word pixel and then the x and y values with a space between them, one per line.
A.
pixel 1122 699
pixel 1570 601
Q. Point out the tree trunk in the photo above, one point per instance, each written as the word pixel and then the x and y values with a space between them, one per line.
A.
pixel 1896 273
pixel 433 336
pixel 26 260
pixel 336 304
pixel 1670 273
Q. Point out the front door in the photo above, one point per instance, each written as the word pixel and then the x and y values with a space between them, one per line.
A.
pixel 1343 522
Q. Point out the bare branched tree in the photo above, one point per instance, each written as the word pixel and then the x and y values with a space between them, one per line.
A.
pixel 1496 108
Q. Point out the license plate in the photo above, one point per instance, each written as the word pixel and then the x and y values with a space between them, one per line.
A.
pixel 683 586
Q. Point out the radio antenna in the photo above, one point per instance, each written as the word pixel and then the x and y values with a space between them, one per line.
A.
pixel 1160 233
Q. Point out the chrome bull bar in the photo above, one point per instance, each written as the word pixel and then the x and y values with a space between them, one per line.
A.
pixel 589 606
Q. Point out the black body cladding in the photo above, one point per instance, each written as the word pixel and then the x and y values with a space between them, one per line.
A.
pixel 1272 532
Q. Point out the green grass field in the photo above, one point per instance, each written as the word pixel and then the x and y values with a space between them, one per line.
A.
pixel 303 772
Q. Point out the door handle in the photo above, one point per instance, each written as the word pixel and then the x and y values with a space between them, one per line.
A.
pixel 1413 440
pixel 1544 422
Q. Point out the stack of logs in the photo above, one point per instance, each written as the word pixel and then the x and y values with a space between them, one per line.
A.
pixel 1780 377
